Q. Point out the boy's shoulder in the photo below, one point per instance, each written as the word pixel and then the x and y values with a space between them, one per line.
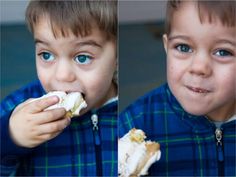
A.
pixel 153 97
pixel 32 90
pixel 153 111
pixel 147 109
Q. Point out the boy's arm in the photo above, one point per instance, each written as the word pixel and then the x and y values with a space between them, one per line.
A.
pixel 14 112
pixel 8 147
pixel 30 125
pixel 10 152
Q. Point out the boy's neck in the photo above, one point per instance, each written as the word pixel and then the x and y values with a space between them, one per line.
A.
pixel 111 93
pixel 223 114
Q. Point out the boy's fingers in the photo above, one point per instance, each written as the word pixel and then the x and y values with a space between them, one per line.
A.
pixel 46 137
pixel 22 104
pixel 53 127
pixel 41 104
pixel 50 116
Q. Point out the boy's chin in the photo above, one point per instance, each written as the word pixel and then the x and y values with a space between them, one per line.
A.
pixel 195 110
pixel 83 111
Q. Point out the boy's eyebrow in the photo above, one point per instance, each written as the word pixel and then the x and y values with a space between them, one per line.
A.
pixel 226 41
pixel 216 42
pixel 81 43
pixel 40 41
pixel 89 42
pixel 177 37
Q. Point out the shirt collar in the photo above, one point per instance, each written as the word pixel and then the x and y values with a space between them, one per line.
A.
pixel 111 106
pixel 220 123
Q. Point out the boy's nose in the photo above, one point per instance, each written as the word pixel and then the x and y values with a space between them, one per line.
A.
pixel 64 72
pixel 201 65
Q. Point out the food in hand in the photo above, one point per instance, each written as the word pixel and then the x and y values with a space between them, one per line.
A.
pixel 135 155
pixel 72 102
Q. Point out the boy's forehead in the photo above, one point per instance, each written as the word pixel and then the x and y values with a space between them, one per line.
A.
pixel 186 26
pixel 204 15
pixel 43 30
pixel 186 7
pixel 45 27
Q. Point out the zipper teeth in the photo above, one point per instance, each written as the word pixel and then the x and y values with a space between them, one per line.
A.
pixel 220 153
pixel 97 142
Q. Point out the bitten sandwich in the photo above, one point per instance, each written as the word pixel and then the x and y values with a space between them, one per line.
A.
pixel 72 102
pixel 135 155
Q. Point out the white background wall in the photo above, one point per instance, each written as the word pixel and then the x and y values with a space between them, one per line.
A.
pixel 12 11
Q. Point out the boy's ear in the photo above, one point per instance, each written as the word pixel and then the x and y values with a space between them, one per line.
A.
pixel 165 41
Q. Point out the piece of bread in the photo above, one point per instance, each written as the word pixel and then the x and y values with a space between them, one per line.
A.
pixel 135 155
pixel 72 102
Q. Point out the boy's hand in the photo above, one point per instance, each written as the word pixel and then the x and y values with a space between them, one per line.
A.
pixel 30 125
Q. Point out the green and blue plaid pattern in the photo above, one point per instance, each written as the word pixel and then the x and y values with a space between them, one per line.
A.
pixel 72 153
pixel 188 143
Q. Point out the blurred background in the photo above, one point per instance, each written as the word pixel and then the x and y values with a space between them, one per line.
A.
pixel 17 48
pixel 142 64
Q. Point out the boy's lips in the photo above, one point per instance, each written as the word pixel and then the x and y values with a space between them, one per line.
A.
pixel 83 95
pixel 198 89
pixel 69 91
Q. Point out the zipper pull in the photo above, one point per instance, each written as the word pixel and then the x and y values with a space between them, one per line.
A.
pixel 219 136
pixel 218 133
pixel 94 119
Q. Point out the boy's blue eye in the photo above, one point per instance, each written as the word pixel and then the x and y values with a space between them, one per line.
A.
pixel 184 48
pixel 47 56
pixel 83 59
pixel 223 53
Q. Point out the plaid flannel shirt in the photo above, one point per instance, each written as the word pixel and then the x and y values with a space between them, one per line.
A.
pixel 80 150
pixel 188 143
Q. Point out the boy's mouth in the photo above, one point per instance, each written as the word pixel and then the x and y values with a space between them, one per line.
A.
pixel 83 95
pixel 198 89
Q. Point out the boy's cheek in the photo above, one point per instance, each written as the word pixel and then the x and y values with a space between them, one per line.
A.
pixel 44 80
pixel 172 72
pixel 97 91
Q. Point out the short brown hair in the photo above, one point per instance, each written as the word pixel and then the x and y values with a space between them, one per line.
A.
pixel 207 10
pixel 76 16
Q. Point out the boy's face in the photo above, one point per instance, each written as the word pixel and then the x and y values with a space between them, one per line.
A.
pixel 83 64
pixel 201 63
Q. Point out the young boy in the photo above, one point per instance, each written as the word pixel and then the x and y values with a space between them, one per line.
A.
pixel 193 116
pixel 75 51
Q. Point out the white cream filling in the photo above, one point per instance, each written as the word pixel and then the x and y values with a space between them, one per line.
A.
pixel 132 155
pixel 73 101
